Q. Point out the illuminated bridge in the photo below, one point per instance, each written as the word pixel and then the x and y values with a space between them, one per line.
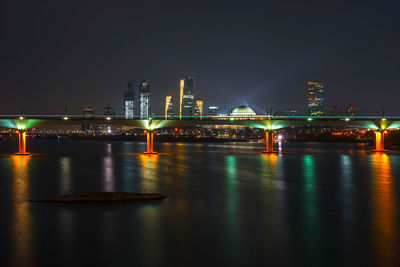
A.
pixel 23 123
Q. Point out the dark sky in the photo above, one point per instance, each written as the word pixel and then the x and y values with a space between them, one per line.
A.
pixel 75 53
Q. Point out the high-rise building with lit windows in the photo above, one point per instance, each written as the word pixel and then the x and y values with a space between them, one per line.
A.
pixel 212 110
pixel 198 109
pixel 315 98
pixel 144 99
pixel 186 97
pixel 169 106
pixel 129 102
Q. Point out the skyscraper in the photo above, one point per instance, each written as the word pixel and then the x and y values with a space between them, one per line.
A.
pixel 212 110
pixel 186 97
pixel 109 111
pixel 169 106
pixel 144 99
pixel 351 110
pixel 129 102
pixel 88 112
pixel 315 98
pixel 198 110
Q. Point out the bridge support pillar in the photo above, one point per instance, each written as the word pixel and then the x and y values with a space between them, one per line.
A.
pixel 379 141
pixel 269 142
pixel 150 142
pixel 22 143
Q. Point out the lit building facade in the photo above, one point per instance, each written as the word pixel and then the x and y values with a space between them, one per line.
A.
pixel 169 106
pixel 315 98
pixel 351 110
pixel 198 110
pixel 186 97
pixel 212 110
pixel 243 111
pixel 129 102
pixel 144 100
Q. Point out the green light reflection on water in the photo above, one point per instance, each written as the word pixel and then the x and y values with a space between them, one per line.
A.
pixel 232 227
pixel 309 187
pixel 310 208
pixel 231 183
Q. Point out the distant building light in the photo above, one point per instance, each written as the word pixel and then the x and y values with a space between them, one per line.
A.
pixel 108 118
pixel 21 118
pixel 347 119
pixel 65 118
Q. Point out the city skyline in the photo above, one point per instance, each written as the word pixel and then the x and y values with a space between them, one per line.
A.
pixel 200 133
pixel 237 52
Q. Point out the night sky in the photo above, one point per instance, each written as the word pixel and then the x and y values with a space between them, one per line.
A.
pixel 76 53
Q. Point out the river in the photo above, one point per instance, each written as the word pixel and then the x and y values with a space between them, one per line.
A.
pixel 314 204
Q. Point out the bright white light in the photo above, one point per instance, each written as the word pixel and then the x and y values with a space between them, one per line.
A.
pixel 280 137
pixel 108 118
pixel 65 118
pixel 347 119
pixel 21 118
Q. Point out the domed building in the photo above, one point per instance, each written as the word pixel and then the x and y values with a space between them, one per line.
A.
pixel 243 111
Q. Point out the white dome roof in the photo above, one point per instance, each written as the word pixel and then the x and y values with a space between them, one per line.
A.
pixel 243 111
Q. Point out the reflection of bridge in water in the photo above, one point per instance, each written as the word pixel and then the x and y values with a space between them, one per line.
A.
pixel 22 124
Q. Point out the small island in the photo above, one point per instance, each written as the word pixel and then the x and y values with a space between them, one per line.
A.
pixel 103 197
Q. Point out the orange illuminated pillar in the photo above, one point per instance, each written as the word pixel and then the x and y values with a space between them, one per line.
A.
pixel 22 143
pixel 269 142
pixel 150 142
pixel 379 140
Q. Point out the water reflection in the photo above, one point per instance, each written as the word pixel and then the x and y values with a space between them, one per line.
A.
pixel 310 210
pixel 231 183
pixel 233 211
pixel 152 236
pixel 108 166
pixel 346 184
pixel 149 168
pixel 129 172
pixel 22 225
pixel 309 190
pixel 385 212
pixel 269 169
pixel 65 175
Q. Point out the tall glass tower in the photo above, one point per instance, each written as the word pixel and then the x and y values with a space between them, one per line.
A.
pixel 129 102
pixel 198 111
pixel 144 99
pixel 169 106
pixel 186 97
pixel 315 98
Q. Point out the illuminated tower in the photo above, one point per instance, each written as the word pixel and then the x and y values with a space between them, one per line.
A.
pixel 169 106
pixel 315 98
pixel 144 100
pixel 186 97
pixel 198 110
pixel 129 102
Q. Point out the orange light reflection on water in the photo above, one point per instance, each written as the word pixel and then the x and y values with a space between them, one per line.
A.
pixel 22 214
pixel 385 210
pixel 149 169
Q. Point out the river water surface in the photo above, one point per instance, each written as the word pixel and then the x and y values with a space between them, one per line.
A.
pixel 315 204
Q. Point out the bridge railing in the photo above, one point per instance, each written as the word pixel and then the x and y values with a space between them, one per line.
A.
pixel 205 117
